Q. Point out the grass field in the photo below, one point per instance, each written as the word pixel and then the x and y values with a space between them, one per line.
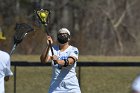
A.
pixel 93 79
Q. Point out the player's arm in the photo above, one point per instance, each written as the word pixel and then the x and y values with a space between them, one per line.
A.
pixel 73 57
pixel 8 71
pixel 72 60
pixel 44 56
pixel 66 62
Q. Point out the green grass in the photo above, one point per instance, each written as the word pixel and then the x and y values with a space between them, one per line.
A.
pixel 107 80
pixel 93 79
pixel 82 58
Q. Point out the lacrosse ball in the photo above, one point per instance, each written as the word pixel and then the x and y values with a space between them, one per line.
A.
pixel 43 15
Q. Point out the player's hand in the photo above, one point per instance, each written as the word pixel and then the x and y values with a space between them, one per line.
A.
pixel 54 57
pixel 6 78
pixel 49 38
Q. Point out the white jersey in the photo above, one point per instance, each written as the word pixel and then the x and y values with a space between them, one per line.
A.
pixel 136 84
pixel 4 69
pixel 64 79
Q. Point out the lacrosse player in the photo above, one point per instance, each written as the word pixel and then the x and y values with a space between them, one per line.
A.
pixel 136 85
pixel 65 56
pixel 5 71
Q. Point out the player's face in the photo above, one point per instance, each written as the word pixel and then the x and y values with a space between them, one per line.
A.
pixel 62 38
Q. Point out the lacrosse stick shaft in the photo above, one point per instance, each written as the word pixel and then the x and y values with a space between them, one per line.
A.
pixel 14 47
pixel 50 45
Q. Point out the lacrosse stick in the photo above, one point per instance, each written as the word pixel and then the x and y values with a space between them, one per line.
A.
pixel 22 30
pixel 43 16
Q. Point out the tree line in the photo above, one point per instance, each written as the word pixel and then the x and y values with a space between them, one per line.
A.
pixel 98 27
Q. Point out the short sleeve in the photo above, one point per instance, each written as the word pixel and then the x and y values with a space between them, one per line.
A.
pixel 8 71
pixel 74 52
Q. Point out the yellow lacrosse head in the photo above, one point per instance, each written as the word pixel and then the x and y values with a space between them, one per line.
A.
pixel 43 15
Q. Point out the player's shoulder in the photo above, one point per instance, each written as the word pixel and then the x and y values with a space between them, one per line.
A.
pixel 4 54
pixel 74 51
pixel 74 48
